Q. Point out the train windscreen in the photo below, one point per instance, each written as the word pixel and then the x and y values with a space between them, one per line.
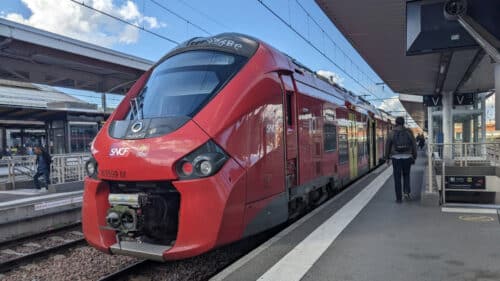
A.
pixel 181 85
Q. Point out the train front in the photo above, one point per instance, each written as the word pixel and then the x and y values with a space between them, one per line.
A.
pixel 158 186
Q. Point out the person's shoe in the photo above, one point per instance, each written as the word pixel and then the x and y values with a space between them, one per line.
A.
pixel 43 189
pixel 399 201
pixel 407 197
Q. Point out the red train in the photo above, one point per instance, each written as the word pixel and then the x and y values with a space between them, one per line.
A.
pixel 223 138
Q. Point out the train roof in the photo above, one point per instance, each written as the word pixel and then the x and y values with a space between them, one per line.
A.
pixel 361 104
pixel 244 45
pixel 234 43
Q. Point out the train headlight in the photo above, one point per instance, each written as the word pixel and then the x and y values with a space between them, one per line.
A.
pixel 205 168
pixel 91 168
pixel 113 219
pixel 203 162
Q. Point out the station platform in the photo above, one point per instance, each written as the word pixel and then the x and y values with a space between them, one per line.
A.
pixel 10 195
pixel 364 235
pixel 22 193
pixel 24 212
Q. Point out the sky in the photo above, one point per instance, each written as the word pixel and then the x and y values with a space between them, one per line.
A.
pixel 181 20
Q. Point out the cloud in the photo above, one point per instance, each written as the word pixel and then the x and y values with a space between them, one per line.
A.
pixel 75 21
pixel 332 76
pixel 392 105
pixel 395 108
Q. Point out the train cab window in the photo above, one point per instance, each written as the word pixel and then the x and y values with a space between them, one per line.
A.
pixel 181 85
pixel 330 137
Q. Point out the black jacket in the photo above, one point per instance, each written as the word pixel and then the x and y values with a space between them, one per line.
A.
pixel 46 157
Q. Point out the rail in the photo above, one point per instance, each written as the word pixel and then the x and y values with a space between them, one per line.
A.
pixel 64 168
pixel 443 156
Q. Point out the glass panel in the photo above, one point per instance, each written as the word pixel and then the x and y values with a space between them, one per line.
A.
pixel 81 136
pixel 182 84
pixel 330 137
pixel 57 145
pixel 343 145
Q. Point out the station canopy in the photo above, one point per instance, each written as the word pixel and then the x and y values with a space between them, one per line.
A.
pixel 28 105
pixel 31 55
pixel 377 30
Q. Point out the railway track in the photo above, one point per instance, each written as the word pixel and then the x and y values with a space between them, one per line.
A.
pixel 19 241
pixel 193 269
pixel 24 250
pixel 126 271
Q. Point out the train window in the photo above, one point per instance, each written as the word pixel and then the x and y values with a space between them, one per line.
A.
pixel 343 145
pixel 181 85
pixel 330 137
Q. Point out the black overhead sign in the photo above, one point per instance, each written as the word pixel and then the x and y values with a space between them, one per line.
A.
pixel 465 99
pixel 462 99
pixel 433 100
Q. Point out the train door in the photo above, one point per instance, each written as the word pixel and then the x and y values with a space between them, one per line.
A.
pixel 372 136
pixel 353 146
pixel 291 136
pixel 369 142
pixel 374 142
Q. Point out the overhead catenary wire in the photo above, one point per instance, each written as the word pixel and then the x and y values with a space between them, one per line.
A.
pixel 204 14
pixel 306 40
pixel 179 16
pixel 126 22
pixel 333 41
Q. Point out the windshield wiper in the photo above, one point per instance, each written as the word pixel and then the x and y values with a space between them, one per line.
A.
pixel 136 107
pixel 133 108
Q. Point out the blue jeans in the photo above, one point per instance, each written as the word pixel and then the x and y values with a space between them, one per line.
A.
pixel 46 175
pixel 402 167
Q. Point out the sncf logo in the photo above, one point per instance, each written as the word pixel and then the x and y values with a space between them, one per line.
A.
pixel 118 151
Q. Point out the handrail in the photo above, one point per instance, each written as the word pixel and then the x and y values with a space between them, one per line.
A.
pixel 64 168
pixel 441 156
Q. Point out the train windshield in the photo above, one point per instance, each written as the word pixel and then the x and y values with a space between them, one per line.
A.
pixel 181 85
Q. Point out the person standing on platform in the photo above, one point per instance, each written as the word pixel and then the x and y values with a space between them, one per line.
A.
pixel 421 141
pixel 43 161
pixel 401 148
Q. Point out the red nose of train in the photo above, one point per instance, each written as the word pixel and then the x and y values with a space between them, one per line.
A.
pixel 151 159
pixel 166 197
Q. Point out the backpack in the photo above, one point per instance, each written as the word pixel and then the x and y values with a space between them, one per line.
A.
pixel 402 141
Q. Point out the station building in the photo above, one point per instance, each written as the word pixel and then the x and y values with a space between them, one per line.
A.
pixel 33 114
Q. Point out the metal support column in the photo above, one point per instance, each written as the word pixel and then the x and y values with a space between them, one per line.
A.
pixel 430 139
pixel 3 138
pixel 497 96
pixel 447 125
pixel 483 118
pixel 430 127
pixel 103 102
pixel 466 130
pixel 481 36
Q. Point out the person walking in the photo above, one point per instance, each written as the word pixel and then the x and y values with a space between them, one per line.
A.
pixel 401 148
pixel 421 141
pixel 43 161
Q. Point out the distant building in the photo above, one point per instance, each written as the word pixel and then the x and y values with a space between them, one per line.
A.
pixel 491 133
pixel 36 114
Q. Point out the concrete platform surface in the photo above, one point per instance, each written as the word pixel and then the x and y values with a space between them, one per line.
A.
pixel 27 212
pixel 363 235
pixel 15 194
